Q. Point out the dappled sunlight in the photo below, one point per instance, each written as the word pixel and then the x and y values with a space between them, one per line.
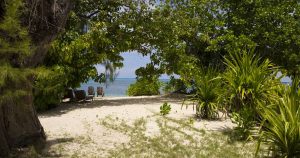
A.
pixel 93 126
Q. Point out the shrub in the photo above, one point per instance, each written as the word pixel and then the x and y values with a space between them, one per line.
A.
pixel 244 120
pixel 207 93
pixel 248 81
pixel 281 124
pixel 48 89
pixel 165 109
pixel 174 85
pixel 144 86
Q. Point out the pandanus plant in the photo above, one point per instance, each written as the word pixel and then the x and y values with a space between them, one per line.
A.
pixel 248 80
pixel 280 127
pixel 207 86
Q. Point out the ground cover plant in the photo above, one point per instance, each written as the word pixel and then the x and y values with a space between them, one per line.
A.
pixel 165 109
pixel 176 138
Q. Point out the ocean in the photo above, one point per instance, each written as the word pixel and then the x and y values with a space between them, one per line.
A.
pixel 117 88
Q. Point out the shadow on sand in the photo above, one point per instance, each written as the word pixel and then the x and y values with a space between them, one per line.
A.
pixel 46 151
pixel 113 101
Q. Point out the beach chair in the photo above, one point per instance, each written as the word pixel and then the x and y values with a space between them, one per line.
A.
pixel 81 95
pixel 100 91
pixel 91 92
pixel 69 95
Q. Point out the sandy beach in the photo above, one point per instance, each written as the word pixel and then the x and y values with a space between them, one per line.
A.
pixel 75 128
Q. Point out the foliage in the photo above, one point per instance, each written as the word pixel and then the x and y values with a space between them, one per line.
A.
pixel 95 35
pixel 201 30
pixel 14 47
pixel 175 85
pixel 165 109
pixel 271 26
pixel 144 86
pixel 14 38
pixel 245 121
pixel 248 81
pixel 147 82
pixel 48 88
pixel 280 127
pixel 176 138
pixel 209 30
pixel 207 93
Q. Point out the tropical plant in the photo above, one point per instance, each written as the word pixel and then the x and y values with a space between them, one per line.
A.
pixel 244 120
pixel 207 86
pixel 248 81
pixel 165 109
pixel 280 126
pixel 175 85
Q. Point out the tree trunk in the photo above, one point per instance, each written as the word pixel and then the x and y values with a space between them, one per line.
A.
pixel 19 124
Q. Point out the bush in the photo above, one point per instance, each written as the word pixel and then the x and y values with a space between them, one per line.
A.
pixel 175 85
pixel 281 124
pixel 207 93
pixel 244 120
pixel 48 89
pixel 165 109
pixel 144 86
pixel 248 81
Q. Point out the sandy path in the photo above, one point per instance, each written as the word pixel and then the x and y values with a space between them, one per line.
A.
pixel 74 129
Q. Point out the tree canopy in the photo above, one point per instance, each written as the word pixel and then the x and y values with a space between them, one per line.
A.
pixel 14 47
pixel 179 36
pixel 208 30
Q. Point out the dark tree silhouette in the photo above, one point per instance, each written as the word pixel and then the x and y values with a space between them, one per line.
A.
pixel 19 124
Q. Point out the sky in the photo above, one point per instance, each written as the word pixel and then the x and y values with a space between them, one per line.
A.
pixel 132 61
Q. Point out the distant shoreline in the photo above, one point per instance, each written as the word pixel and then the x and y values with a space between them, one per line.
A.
pixel 117 88
pixel 135 78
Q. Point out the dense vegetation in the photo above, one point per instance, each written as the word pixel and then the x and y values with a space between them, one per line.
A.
pixel 15 46
pixel 194 34
pixel 89 39
pixel 208 93
pixel 23 44
pixel 212 45
pixel 280 123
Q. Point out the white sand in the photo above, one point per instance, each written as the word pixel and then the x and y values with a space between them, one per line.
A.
pixel 75 128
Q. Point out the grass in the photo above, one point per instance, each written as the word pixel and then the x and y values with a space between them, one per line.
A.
pixel 176 138
pixel 168 137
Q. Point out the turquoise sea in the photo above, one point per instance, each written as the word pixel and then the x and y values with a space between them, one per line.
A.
pixel 116 88
pixel 120 85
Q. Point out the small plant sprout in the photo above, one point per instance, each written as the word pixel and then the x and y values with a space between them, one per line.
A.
pixel 165 109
